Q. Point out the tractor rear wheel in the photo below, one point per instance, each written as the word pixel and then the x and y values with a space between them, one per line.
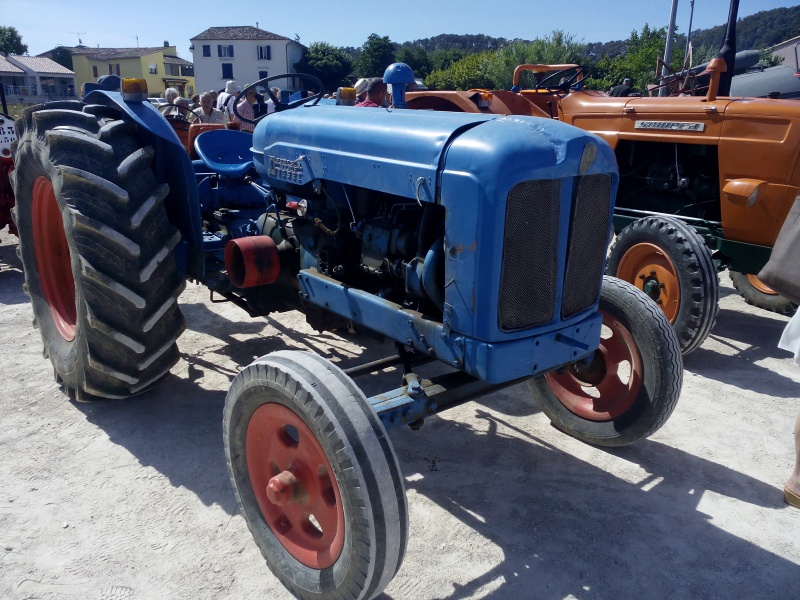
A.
pixel 315 477
pixel 632 384
pixel 759 294
pixel 96 249
pixel 670 262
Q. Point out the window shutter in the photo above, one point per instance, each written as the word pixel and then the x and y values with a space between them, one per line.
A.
pixel 230 50
pixel 206 50
pixel 269 52
pixel 219 50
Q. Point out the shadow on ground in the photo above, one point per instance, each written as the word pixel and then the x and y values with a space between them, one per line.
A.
pixel 749 338
pixel 569 529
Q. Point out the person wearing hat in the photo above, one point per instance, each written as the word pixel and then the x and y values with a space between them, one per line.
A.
pixel 226 98
pixel 361 89
pixel 376 94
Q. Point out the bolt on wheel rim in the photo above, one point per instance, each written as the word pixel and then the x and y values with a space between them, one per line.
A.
pixel 295 486
pixel 647 267
pixel 53 258
pixel 608 386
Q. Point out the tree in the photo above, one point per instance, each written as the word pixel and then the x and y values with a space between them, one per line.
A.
pixel 468 73
pixel 638 62
pixel 556 48
pixel 62 56
pixel 329 64
pixel 417 58
pixel 11 41
pixel 377 54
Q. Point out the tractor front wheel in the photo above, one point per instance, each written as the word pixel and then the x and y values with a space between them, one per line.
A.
pixel 96 248
pixel 316 477
pixel 670 262
pixel 631 385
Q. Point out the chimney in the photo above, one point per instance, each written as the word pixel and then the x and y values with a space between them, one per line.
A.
pixel 166 44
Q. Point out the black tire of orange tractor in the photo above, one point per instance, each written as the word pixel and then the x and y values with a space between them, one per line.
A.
pixel 662 373
pixel 755 297
pixel 696 272
pixel 367 474
pixel 120 243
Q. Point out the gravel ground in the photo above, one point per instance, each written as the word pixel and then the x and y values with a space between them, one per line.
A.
pixel 131 499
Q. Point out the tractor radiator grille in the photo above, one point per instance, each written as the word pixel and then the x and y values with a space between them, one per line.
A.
pixel 530 255
pixel 588 236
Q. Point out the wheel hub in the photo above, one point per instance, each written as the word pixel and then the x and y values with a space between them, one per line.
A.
pixel 295 486
pixel 652 286
pixel 284 489
pixel 649 268
pixel 609 385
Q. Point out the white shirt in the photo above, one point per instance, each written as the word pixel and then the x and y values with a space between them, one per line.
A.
pixel 221 102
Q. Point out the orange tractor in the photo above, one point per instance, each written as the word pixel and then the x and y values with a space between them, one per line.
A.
pixel 705 181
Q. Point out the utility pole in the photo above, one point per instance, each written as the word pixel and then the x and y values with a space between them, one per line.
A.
pixel 668 49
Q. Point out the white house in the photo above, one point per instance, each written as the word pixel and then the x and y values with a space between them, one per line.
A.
pixel 245 54
pixel 35 79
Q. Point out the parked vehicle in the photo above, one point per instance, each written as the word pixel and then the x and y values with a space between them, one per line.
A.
pixel 473 240
pixel 7 136
pixel 705 181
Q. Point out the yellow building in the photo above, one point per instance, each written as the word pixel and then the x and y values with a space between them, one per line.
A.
pixel 159 66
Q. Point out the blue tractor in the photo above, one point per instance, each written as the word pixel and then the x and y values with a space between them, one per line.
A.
pixel 475 240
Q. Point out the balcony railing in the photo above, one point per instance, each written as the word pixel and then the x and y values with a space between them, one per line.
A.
pixel 23 92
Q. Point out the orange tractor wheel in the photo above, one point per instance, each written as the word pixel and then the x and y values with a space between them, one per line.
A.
pixel 759 294
pixel 666 259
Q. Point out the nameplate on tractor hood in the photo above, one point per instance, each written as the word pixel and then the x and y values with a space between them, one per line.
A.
pixel 286 169
pixel 670 125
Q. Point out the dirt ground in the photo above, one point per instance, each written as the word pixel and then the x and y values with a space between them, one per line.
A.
pixel 119 500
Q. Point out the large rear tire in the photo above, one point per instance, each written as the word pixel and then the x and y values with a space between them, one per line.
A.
pixel 316 477
pixel 632 384
pixel 96 249
pixel 670 262
pixel 759 294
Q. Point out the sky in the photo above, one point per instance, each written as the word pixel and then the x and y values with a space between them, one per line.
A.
pixel 44 24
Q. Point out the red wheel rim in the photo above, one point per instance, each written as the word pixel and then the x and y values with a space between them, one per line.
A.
pixel 310 525
pixel 760 285
pixel 647 267
pixel 53 258
pixel 607 387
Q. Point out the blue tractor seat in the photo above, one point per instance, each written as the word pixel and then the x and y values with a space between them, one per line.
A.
pixel 225 151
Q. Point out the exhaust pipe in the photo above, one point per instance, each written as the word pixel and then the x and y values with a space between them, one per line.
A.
pixel 252 261
pixel 728 51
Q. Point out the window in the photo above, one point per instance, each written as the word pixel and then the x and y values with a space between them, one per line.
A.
pixel 263 74
pixel 265 53
pixel 94 71
pixel 152 68
pixel 113 69
pixel 225 51
pixel 227 70
pixel 206 49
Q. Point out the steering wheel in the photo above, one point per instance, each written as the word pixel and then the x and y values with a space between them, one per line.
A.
pixel 279 106
pixel 190 117
pixel 574 80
